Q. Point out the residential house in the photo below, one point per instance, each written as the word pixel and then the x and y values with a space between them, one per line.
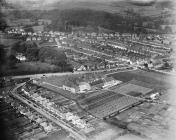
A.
pixel 81 68
pixel 78 66
pixel 29 33
pixel 28 39
pixel 34 39
pixel 51 40
pixel 39 38
pixel 20 57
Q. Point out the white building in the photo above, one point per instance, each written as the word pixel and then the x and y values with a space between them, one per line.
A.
pixel 109 82
pixel 83 87
pixel 70 88
pixel 80 88
pixel 28 39
pixel 21 57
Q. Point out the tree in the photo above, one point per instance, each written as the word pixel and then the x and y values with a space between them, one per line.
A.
pixel 3 24
pixel 29 49
pixel 32 54
pixel 2 57
pixel 52 56
pixel 19 47
pixel 168 29
pixel 12 60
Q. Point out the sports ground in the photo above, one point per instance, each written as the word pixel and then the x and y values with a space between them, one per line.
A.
pixel 146 78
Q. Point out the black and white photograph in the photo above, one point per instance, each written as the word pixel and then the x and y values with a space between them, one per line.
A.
pixel 88 69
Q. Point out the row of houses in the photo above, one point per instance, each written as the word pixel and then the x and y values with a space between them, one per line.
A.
pixel 48 127
pixel 30 127
pixel 70 117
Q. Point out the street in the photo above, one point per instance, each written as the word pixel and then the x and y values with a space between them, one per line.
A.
pixel 43 112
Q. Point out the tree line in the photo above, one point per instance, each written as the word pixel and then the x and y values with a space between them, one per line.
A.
pixel 33 52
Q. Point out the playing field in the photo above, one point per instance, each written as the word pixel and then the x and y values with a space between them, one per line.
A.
pixel 131 89
pixel 154 79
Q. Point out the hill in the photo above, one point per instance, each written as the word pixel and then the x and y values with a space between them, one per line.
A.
pixel 121 15
pixel 112 6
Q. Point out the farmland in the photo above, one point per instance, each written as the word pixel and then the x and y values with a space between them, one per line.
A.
pixel 105 103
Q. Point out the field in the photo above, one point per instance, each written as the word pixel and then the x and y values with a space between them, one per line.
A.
pixel 155 79
pixel 8 42
pixel 30 68
pixel 131 89
pixel 143 84
pixel 113 105
pixel 106 103
pixel 35 66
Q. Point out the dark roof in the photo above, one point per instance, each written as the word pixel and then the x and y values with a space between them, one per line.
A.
pixel 49 44
pixel 107 79
pixel 97 82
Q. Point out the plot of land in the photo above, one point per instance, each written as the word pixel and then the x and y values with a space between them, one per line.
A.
pixel 31 68
pixel 114 105
pixel 155 79
pixel 101 104
pixel 131 89
pixel 8 42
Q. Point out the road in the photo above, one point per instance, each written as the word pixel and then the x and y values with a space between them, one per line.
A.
pixel 94 51
pixel 155 46
pixel 164 72
pixel 67 73
pixel 78 135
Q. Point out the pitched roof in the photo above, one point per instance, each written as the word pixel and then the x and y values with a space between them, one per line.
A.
pixel 76 64
pixel 97 82
pixel 108 79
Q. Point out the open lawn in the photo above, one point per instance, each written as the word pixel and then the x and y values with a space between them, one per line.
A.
pixel 153 78
pixel 132 89
pixel 35 66
pixel 8 42
pixel 31 68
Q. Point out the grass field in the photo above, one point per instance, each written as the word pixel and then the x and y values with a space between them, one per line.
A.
pixel 151 78
pixel 31 68
pixel 131 88
pixel 8 42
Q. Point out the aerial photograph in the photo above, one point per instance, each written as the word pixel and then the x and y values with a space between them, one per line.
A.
pixel 88 69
